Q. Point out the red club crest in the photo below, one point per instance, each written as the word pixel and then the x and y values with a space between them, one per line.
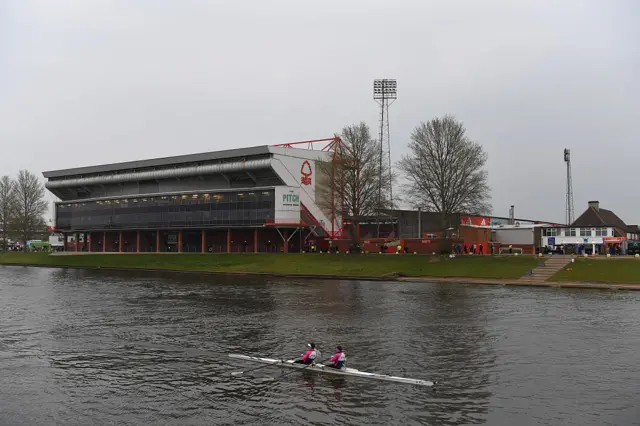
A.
pixel 306 173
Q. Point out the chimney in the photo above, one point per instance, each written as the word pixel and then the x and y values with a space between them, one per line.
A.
pixel 594 205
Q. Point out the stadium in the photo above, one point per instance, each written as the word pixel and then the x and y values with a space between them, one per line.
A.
pixel 257 199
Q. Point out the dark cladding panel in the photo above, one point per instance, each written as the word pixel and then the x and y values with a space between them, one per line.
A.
pixel 148 187
pixel 160 162
pixel 246 208
pixel 214 182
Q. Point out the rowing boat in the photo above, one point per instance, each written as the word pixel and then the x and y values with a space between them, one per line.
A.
pixel 319 368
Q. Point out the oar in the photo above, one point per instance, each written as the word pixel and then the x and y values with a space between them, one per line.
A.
pixel 239 373
pixel 301 369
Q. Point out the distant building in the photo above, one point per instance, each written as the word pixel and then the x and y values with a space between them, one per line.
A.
pixel 597 230
pixel 488 233
pixel 254 199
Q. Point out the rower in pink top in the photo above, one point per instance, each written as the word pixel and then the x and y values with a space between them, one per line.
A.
pixel 309 357
pixel 338 360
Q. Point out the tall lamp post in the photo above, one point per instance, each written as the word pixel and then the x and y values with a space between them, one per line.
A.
pixel 385 92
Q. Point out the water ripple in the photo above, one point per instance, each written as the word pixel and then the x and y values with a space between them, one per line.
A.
pixel 104 347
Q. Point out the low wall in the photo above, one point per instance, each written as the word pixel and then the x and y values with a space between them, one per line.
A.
pixel 526 248
pixel 412 245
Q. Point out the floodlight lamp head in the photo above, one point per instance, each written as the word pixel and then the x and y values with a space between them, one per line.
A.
pixel 567 155
pixel 385 89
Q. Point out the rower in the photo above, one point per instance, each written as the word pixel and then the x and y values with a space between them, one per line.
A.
pixel 310 356
pixel 338 360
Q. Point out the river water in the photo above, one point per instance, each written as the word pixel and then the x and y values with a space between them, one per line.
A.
pixel 95 347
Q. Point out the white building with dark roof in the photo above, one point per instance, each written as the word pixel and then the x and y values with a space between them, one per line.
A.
pixel 596 230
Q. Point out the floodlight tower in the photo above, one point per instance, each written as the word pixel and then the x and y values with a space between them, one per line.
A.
pixel 384 93
pixel 569 208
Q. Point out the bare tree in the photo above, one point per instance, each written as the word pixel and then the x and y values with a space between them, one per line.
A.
pixel 30 205
pixel 7 209
pixel 445 170
pixel 356 173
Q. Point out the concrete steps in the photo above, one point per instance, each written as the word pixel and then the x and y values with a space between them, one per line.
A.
pixel 552 265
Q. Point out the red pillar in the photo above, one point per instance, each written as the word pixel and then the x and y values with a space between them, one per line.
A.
pixel 157 241
pixel 138 242
pixel 89 242
pixel 204 241
pixel 228 240
pixel 120 242
pixel 179 241
pixel 286 242
pixel 255 240
pixel 104 242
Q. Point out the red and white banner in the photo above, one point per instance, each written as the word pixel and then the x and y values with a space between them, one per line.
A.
pixel 475 220
pixel 613 239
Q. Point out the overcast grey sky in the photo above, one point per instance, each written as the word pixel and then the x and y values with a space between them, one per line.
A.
pixel 92 81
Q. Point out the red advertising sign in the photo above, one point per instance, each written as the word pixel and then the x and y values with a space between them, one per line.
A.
pixel 613 239
pixel 475 220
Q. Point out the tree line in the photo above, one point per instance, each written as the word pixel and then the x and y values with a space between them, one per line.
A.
pixel 22 207
pixel 443 172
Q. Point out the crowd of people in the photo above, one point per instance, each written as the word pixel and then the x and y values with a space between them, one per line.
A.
pixel 470 249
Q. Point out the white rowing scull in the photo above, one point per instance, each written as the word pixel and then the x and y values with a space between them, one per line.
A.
pixel 319 368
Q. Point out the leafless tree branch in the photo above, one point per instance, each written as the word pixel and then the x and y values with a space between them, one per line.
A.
pixel 445 169
pixel 30 205
pixel 356 173
pixel 8 199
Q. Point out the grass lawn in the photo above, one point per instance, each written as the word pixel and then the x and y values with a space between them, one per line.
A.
pixel 371 265
pixel 625 271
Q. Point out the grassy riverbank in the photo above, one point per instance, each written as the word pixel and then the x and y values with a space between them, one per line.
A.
pixel 626 271
pixel 372 265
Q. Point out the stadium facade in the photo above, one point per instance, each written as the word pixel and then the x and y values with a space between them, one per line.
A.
pixel 258 199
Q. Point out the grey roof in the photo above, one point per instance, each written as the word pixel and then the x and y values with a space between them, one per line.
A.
pixel 156 162
pixel 599 217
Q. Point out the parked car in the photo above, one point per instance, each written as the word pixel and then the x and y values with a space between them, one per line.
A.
pixel 633 248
